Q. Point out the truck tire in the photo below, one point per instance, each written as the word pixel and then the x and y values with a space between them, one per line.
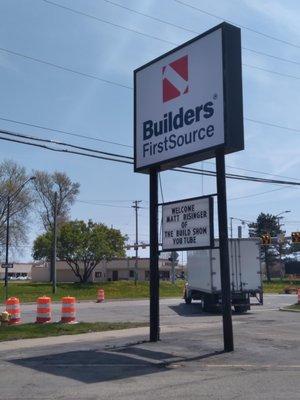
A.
pixel 187 298
pixel 207 305
pixel 240 309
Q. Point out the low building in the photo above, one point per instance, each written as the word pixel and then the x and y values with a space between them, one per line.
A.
pixel 114 270
pixel 20 271
pixel 123 269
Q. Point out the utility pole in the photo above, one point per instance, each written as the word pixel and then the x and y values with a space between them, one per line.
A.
pixel 7 247
pixel 173 258
pixel 136 244
pixel 240 234
pixel 173 268
pixel 54 245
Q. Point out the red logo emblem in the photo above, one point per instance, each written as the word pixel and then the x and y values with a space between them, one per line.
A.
pixel 175 79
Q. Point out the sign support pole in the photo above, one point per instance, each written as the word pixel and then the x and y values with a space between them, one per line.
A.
pixel 154 273
pixel 224 253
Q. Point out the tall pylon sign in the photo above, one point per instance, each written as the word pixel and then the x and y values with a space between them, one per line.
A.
pixel 187 108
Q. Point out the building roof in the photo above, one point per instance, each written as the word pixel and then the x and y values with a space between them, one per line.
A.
pixel 20 268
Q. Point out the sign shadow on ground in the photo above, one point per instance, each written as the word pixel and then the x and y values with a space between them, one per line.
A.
pixel 96 366
pixel 190 310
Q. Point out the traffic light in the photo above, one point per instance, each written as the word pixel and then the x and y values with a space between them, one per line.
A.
pixel 296 237
pixel 173 256
pixel 266 239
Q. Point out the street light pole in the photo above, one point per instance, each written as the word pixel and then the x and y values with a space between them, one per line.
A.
pixel 136 207
pixel 6 247
pixel 280 241
pixel 54 245
pixel 243 221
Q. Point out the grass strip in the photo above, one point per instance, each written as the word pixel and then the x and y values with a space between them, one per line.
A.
pixel 278 286
pixel 293 307
pixel 27 331
pixel 30 291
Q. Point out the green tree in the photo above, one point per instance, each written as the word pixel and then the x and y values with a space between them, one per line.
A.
pixel 294 248
pixel 82 246
pixel 267 224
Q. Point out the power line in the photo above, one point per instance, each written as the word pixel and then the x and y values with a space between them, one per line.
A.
pixel 271 56
pixel 5 132
pixel 273 125
pixel 151 17
pixel 271 71
pixel 129 160
pixel 259 194
pixel 101 204
pixel 95 203
pixel 63 132
pixel 236 176
pixel 122 161
pixel 73 71
pixel 155 37
pixel 128 146
pixel 194 32
pixel 207 162
pixel 112 201
pixel 253 170
pixel 110 82
pixel 106 22
pixel 241 26
pixel 64 150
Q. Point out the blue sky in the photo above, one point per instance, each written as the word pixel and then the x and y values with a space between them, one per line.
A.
pixel 40 94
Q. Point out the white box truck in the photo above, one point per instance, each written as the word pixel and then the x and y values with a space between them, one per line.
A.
pixel 204 280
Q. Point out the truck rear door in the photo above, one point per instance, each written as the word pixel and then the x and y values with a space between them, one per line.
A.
pixel 249 265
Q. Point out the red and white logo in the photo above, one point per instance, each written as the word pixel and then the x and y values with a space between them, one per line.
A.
pixel 175 79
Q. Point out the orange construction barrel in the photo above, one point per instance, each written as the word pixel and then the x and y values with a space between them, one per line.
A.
pixel 101 296
pixel 14 309
pixel 68 310
pixel 43 312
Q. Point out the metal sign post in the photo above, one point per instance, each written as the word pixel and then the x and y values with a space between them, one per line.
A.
pixel 224 253
pixel 154 273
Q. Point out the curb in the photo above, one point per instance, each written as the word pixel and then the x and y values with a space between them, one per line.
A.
pixel 289 310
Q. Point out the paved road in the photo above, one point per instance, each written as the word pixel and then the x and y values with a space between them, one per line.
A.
pixel 187 363
pixel 171 310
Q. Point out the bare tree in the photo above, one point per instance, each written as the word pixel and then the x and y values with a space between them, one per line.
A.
pixel 46 185
pixel 12 176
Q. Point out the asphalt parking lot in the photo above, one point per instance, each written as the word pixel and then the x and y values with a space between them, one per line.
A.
pixel 188 362
pixel 171 310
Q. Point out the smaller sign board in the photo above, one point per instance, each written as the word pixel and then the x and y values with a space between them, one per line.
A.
pixel 9 265
pixel 188 224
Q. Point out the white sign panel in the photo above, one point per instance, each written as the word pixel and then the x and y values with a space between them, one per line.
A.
pixel 179 103
pixel 188 224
